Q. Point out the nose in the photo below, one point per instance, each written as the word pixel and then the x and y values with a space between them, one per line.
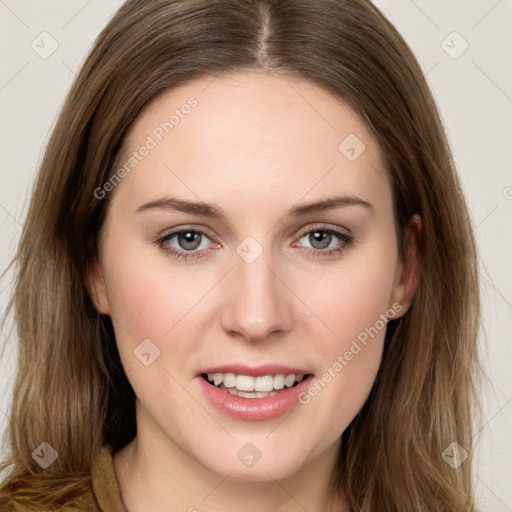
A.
pixel 256 300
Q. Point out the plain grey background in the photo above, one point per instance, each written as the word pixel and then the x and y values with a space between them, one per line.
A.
pixel 464 49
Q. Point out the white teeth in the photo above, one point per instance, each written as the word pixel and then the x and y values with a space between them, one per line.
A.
pixel 265 383
pixel 247 394
pixel 245 383
pixel 254 387
pixel 229 380
pixel 279 381
pixel 289 381
pixel 243 394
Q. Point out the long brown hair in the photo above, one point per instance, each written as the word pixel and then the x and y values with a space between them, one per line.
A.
pixel 70 389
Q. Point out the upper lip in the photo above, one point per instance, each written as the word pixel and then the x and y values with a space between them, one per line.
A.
pixel 256 371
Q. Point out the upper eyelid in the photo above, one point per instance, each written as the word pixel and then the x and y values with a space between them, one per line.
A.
pixel 325 227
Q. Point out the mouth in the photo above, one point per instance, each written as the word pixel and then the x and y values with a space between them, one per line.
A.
pixel 254 393
pixel 256 387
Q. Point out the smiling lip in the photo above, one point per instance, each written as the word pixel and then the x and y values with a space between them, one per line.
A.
pixel 254 409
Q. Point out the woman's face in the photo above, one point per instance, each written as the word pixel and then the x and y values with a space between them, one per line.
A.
pixel 250 235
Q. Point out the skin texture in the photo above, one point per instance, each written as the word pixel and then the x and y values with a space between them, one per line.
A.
pixel 255 145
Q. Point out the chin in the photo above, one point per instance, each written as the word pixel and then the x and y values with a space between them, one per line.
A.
pixel 247 463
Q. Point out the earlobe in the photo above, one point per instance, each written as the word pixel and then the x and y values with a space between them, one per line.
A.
pixel 407 278
pixel 97 288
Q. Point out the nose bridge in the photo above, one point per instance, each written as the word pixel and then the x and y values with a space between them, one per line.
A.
pixel 256 303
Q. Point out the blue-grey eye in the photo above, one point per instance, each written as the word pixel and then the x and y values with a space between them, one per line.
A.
pixel 189 240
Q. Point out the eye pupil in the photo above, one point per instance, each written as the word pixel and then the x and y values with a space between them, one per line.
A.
pixel 322 237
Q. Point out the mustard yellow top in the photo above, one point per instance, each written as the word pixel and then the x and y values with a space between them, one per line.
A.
pixel 104 497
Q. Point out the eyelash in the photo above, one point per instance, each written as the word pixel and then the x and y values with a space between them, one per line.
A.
pixel 346 239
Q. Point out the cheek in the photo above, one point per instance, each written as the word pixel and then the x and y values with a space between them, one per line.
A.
pixel 155 302
pixel 354 307
pixel 148 292
pixel 356 296
pixel 153 299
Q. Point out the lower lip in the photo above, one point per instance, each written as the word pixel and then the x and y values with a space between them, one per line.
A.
pixel 254 409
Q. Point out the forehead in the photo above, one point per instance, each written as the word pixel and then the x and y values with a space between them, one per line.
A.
pixel 251 136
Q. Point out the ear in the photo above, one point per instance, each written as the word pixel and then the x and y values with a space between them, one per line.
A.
pixel 407 272
pixel 97 287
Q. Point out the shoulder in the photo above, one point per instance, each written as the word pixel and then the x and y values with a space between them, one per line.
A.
pixel 95 493
pixel 81 505
pixel 85 503
pixel 31 494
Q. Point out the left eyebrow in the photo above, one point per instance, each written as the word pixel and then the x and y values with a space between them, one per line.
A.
pixel 328 204
pixel 215 212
